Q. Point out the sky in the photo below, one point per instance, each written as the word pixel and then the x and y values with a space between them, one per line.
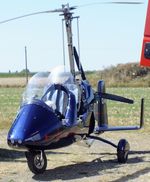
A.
pixel 110 34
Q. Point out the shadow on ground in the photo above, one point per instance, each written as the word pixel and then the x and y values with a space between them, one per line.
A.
pixel 80 170
pixel 7 155
pixel 85 169
pixel 134 175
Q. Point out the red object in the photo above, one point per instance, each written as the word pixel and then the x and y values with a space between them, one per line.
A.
pixel 145 56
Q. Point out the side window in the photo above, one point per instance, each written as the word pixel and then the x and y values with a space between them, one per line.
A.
pixel 50 99
pixel 57 99
pixel 62 102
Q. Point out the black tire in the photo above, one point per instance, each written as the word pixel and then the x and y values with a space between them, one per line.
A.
pixel 35 164
pixel 123 151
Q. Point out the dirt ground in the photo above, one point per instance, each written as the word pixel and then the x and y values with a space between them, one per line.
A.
pixel 77 163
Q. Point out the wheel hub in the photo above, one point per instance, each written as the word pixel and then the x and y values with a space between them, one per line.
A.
pixel 39 161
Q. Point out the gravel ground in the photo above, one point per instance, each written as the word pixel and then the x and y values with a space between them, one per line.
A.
pixel 77 163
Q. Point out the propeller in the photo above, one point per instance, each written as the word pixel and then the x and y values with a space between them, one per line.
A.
pixel 99 95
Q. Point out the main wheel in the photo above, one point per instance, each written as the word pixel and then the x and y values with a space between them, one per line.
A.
pixel 37 161
pixel 123 151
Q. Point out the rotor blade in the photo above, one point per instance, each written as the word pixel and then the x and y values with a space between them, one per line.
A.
pixel 23 16
pixel 125 2
pixel 113 2
pixel 31 14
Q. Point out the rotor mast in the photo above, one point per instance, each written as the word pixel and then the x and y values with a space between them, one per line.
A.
pixel 68 23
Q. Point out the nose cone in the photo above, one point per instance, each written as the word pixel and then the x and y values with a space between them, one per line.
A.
pixel 33 122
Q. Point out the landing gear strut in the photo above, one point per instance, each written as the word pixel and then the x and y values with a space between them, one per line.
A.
pixel 123 148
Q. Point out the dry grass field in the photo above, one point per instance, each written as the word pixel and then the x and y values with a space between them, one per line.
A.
pixel 13 82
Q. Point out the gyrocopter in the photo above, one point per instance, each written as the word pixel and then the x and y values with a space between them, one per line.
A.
pixel 60 107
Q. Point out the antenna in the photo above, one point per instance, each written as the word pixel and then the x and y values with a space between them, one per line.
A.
pixel 26 65
pixel 63 44
pixel 78 33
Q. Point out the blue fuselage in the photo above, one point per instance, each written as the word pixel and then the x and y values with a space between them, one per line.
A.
pixel 38 126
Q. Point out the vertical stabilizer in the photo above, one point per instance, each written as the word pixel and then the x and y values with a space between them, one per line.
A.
pixel 145 57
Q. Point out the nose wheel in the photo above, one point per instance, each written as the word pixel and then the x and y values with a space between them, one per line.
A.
pixel 123 151
pixel 37 161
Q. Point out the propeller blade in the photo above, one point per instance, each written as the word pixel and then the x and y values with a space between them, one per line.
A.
pixel 115 98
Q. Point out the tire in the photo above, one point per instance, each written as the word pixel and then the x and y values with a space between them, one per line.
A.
pixel 123 151
pixel 35 164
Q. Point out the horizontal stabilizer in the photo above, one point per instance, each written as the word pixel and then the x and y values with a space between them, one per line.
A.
pixel 117 128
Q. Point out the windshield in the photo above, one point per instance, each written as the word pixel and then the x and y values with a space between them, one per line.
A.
pixel 41 81
pixel 35 87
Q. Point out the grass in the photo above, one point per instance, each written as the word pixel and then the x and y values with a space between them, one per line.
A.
pixel 126 114
pixel 15 74
pixel 119 113
pixel 9 103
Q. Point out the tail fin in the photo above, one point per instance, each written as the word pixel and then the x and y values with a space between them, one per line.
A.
pixel 145 57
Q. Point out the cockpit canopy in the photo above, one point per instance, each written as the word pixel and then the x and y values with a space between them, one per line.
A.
pixel 60 76
pixel 40 82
